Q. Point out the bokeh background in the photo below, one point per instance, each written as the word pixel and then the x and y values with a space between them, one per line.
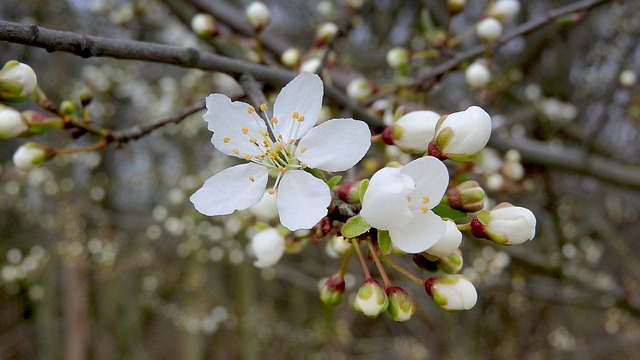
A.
pixel 102 256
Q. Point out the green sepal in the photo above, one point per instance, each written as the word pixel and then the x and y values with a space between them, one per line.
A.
pixel 317 173
pixel 355 226
pixel 445 211
pixel 384 242
pixel 334 181
pixel 362 188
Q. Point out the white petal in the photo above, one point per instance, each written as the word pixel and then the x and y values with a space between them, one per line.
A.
pixel 385 205
pixel 227 120
pixel 471 131
pixel 421 233
pixel 448 243
pixel 268 246
pixel 304 96
pixel 266 208
pixel 302 200
pixel 431 177
pixel 418 128
pixel 231 189
pixel 335 145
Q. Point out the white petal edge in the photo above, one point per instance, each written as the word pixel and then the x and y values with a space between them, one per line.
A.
pixel 431 177
pixel 335 145
pixel 231 189
pixel 302 200
pixel 303 95
pixel 421 233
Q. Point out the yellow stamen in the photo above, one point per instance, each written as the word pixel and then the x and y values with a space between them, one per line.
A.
pixel 303 165
pixel 252 179
pixel 408 198
pixel 245 131
pixel 251 109
pixel 259 157
pixel 304 148
pixel 281 169
pixel 425 199
pixel 263 107
pixel 424 209
pixel 247 157
pixel 279 137
pixel 301 118
pixel 279 147
pixel 226 139
pixel 274 120
pixel 271 191
pixel 295 115
pixel 236 151
pixel 253 140
pixel 293 141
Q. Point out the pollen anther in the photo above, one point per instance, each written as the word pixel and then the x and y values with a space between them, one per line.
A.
pixel 251 109
pixel 226 139
pixel 252 179
pixel 263 107
pixel 271 191
pixel 425 199
pixel 304 148
pixel 253 140
pixel 245 130
pixel 236 151
pixel 424 209
pixel 295 115
pixel 247 157
pixel 274 120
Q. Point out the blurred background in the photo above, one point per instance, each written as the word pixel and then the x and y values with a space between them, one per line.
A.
pixel 102 256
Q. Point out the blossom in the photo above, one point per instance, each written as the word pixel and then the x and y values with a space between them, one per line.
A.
pixel 459 136
pixel 489 29
pixel 413 131
pixel 17 81
pixel 11 123
pixel 268 246
pixel 505 224
pixel 371 299
pixel 504 10
pixel 477 74
pixel 282 148
pixel 30 155
pixel 204 25
pixel 452 292
pixel 258 15
pixel 400 200
pixel 401 306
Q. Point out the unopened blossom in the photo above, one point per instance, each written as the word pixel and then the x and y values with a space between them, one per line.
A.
pixel 291 57
pixel 452 292
pixel 360 89
pixel 268 246
pixel 455 6
pixel 311 65
pixel 325 33
pixel 258 15
pixel 333 289
pixel 413 131
pixel 452 263
pixel 397 57
pixel 504 10
pixel 204 25
pixel 400 200
pixel 281 146
pixel 448 242
pixel 477 74
pixel 31 155
pixel 627 78
pixel 401 306
pixel 505 224
pixel 17 81
pixel 459 136
pixel 467 196
pixel 11 123
pixel 489 29
pixel 371 299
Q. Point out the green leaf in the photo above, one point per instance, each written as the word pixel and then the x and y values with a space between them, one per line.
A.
pixel 446 211
pixel 334 181
pixel 355 226
pixel 384 241
pixel 362 188
pixel 317 173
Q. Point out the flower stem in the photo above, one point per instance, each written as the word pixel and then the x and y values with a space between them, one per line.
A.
pixel 363 262
pixel 97 146
pixel 376 260
pixel 345 261
pixel 401 270
pixel 464 227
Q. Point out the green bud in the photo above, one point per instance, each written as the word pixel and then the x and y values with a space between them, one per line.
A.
pixel 332 291
pixel 467 196
pixel 401 306
pixel 452 263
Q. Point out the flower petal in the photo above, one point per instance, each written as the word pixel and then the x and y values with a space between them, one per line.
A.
pixel 431 177
pixel 418 128
pixel 304 96
pixel 268 246
pixel 229 121
pixel 302 200
pixel 231 189
pixel 421 233
pixel 335 145
pixel 385 205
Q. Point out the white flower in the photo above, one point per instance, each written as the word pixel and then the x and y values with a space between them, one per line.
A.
pixel 258 15
pixel 489 29
pixel 448 243
pixel 504 10
pixel 477 74
pixel 505 224
pixel 268 246
pixel 414 130
pixel 282 148
pixel 452 292
pixel 400 200
pixel 11 123
pixel 460 135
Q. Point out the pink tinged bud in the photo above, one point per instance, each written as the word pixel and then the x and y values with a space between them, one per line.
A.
pixel 452 292
pixel 401 306
pixel 325 33
pixel 30 155
pixel 397 57
pixel 489 29
pixel 505 224
pixel 348 192
pixel 360 89
pixel 371 299
pixel 504 10
pixel 477 74
pixel 414 130
pixel 17 81
pixel 268 246
pixel 11 123
pixel 448 243
pixel 461 135
pixel 467 196
pixel 204 25
pixel 332 290
pixel 258 15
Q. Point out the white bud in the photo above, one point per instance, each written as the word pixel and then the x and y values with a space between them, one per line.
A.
pixel 452 292
pixel 310 65
pixel 514 224
pixel 489 29
pixel 448 243
pixel 268 247
pixel 17 81
pixel 504 10
pixel 513 170
pixel 29 155
pixel 495 182
pixel 266 208
pixel 463 133
pixel 325 32
pixel 397 57
pixel 290 57
pixel 627 78
pixel 258 15
pixel 359 89
pixel 414 130
pixel 477 74
pixel 204 25
pixel 11 123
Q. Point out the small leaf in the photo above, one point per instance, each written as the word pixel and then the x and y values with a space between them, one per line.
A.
pixel 384 241
pixel 355 226
pixel 446 211
pixel 334 181
pixel 317 173
pixel 362 188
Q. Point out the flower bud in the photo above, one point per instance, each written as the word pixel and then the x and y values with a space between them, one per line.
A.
pixel 30 155
pixel 513 170
pixel 489 29
pixel 452 292
pixel 467 196
pixel 338 246
pixel 11 123
pixel 477 74
pixel 401 306
pixel 452 263
pixel 456 6
pixel 17 81
pixel 504 10
pixel 348 192
pixel 332 290
pixel 311 65
pixel 397 57
pixel 413 131
pixel 325 33
pixel 204 25
pixel 371 299
pixel 355 4
pixel 268 246
pixel 495 182
pixel 258 15
pixel 266 208
pixel 505 224
pixel 448 243
pixel 627 78
pixel 290 57
pixel 360 89
pixel 459 136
